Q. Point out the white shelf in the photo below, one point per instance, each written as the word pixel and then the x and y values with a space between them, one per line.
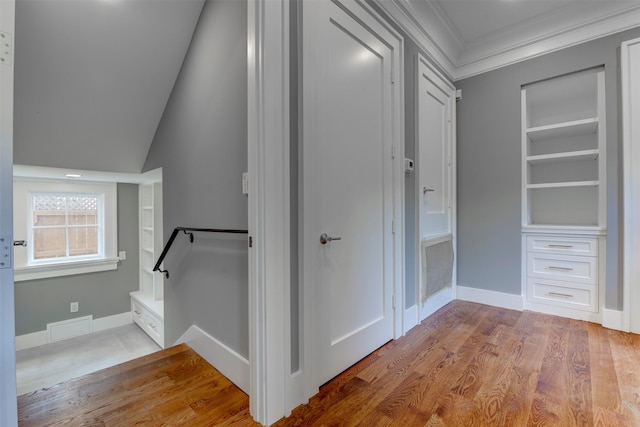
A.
pixel 563 184
pixel 564 129
pixel 556 157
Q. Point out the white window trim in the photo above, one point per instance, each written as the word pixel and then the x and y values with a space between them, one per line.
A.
pixel 23 187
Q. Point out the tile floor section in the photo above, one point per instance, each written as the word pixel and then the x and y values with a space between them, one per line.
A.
pixel 50 364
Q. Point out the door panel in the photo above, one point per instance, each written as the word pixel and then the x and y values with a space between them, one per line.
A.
pixel 434 150
pixel 348 185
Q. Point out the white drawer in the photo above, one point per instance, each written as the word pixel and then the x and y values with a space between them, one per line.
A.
pixel 563 294
pixel 579 269
pixel 585 246
pixel 148 321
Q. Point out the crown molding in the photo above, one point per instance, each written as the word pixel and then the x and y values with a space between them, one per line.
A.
pixel 404 15
pixel 560 39
pixel 441 43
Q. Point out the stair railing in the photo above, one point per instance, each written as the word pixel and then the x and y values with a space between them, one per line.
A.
pixel 189 231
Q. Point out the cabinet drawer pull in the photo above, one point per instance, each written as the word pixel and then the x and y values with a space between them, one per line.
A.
pixel 560 246
pixel 138 312
pixel 556 294
pixel 152 325
pixel 551 267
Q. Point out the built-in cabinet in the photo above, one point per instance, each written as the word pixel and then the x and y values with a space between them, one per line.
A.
pixel 564 194
pixel 147 304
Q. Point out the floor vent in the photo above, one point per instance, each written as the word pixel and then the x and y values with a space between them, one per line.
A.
pixel 69 328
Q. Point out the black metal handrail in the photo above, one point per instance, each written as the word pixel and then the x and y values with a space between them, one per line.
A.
pixel 189 231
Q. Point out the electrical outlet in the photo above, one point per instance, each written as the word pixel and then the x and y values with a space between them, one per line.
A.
pixel 74 307
pixel 122 255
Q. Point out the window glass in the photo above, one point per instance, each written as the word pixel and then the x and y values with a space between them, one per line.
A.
pixel 65 226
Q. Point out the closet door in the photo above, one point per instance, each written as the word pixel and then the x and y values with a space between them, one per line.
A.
pixel 435 130
pixel 435 163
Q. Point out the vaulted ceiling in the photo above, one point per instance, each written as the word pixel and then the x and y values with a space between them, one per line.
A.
pixel 93 76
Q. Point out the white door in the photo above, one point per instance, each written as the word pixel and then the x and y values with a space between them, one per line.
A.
pixel 348 185
pixel 435 104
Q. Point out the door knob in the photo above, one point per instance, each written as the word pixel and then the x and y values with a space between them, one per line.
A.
pixel 324 238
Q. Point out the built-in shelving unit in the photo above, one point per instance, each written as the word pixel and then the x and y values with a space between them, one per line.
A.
pixel 147 304
pixel 564 194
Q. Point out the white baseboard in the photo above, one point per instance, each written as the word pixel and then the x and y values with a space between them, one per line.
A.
pixel 496 299
pixel 435 302
pixel 104 323
pixel 613 319
pixel 39 338
pixel 226 360
pixel 31 340
pixel 410 318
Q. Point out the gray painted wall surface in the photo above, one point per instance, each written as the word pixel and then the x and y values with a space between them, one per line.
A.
pixel 100 294
pixel 410 152
pixel 201 144
pixel 489 166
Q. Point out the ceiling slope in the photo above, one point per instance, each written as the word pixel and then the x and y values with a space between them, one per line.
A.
pixel 92 78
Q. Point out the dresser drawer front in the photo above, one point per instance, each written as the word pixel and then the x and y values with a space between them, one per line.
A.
pixel 562 245
pixel 582 297
pixel 148 321
pixel 563 267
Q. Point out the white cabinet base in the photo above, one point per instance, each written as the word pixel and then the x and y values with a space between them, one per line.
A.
pixel 563 274
pixel 148 314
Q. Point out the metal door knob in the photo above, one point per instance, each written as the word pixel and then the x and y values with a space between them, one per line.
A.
pixel 324 238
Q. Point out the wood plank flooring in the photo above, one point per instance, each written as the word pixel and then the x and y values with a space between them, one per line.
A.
pixel 467 365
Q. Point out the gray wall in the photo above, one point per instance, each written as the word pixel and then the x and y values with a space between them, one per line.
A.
pixel 201 144
pixel 100 294
pixel 410 152
pixel 489 166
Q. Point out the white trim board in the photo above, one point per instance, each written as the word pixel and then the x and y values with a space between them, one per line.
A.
pixel 39 338
pixel 493 298
pixel 226 360
pixel 436 301
pixel 613 319
pixel 629 64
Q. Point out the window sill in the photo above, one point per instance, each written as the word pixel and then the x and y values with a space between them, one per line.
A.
pixel 33 272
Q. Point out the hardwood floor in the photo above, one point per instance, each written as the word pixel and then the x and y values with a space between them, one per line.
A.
pixel 467 365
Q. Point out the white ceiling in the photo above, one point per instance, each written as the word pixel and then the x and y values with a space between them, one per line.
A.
pixel 477 19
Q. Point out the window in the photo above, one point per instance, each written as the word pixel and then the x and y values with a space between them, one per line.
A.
pixel 70 227
pixel 65 226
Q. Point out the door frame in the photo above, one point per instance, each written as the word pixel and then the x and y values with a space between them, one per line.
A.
pixel 8 390
pixel 363 13
pixel 630 319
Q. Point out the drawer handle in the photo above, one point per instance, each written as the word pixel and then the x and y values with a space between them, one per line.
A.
pixel 556 294
pixel 138 312
pixel 560 246
pixel 551 267
pixel 152 325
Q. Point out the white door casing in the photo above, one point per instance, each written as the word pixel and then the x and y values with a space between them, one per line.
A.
pixel 435 130
pixel 630 70
pixel 8 403
pixel 348 134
